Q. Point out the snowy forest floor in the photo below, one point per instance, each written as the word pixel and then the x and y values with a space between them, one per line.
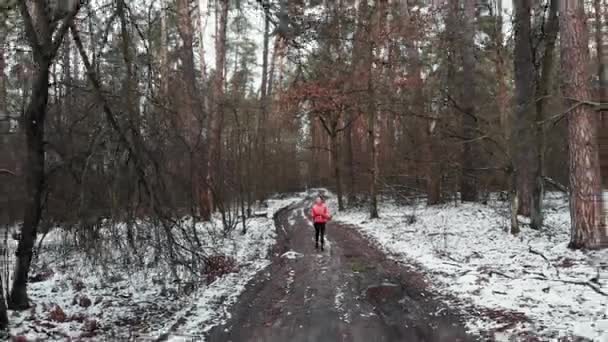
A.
pixel 458 257
pixel 79 296
pixel 525 287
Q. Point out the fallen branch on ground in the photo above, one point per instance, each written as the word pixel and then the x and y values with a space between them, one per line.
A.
pixel 435 234
pixel 575 282
pixel 544 257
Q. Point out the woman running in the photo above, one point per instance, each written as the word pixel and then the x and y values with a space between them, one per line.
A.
pixel 320 216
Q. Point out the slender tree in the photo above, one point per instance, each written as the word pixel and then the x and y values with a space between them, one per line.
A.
pixel 44 34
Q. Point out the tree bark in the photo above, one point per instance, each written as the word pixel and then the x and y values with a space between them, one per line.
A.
pixel 587 229
pixel 468 181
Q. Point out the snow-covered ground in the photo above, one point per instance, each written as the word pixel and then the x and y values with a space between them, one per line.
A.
pixel 510 286
pixel 77 297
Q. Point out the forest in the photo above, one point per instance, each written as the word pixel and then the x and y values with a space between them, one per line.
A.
pixel 165 139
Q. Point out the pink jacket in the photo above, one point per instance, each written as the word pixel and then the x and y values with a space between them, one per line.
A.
pixel 319 213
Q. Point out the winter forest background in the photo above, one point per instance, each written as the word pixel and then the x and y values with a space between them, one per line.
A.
pixel 124 125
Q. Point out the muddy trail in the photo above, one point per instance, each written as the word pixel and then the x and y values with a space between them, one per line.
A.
pixel 349 292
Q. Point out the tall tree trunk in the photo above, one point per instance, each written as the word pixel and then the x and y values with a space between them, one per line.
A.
pixel 432 173
pixel 261 131
pixel 189 112
pixel 44 40
pixel 543 90
pixel 131 103
pixel 525 146
pixel 587 229
pixel 34 182
pixel 356 85
pixel 504 115
pixel 217 114
pixel 468 182
pixel 451 88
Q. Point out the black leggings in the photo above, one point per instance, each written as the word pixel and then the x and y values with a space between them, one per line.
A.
pixel 319 231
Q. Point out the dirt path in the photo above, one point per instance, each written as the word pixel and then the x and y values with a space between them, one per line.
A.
pixel 349 292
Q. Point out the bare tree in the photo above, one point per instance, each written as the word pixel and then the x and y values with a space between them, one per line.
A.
pixel 45 33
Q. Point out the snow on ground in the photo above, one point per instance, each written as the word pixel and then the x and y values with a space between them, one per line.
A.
pixel 518 285
pixel 76 296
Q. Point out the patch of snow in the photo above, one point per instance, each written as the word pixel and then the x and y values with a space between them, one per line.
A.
pixel 292 255
pixel 339 305
pixel 290 280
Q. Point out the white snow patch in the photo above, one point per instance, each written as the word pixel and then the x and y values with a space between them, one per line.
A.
pixel 292 255
pixel 290 280
pixel 339 305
